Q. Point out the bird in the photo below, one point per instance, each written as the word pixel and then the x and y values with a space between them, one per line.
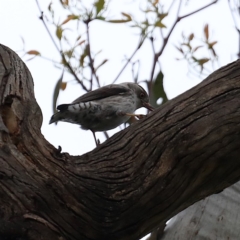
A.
pixel 105 108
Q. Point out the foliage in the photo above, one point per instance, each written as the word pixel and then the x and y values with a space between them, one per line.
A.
pixel 74 44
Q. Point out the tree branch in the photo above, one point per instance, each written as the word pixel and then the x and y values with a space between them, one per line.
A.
pixel 130 58
pixel 129 185
pixel 165 41
pixel 67 64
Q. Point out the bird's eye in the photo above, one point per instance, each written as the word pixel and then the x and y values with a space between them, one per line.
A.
pixel 142 95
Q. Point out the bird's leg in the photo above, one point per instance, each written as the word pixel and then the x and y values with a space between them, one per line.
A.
pixel 96 141
pixel 139 116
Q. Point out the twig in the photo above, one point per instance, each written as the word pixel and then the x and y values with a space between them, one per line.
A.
pixel 129 60
pixel 235 23
pixel 165 41
pixel 106 134
pixel 91 62
pixel 58 49
pixel 46 27
pixel 171 6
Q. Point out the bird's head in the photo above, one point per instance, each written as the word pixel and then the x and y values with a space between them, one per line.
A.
pixel 141 96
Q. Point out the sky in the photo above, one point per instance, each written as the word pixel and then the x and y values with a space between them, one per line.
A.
pixel 20 20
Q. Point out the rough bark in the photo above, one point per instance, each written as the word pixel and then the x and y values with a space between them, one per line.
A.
pixel 184 151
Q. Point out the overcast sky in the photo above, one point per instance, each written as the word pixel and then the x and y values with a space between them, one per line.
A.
pixel 20 19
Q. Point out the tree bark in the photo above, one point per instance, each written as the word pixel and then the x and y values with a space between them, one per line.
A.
pixel 185 150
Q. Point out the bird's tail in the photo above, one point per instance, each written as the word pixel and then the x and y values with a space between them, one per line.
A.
pixel 59 115
pixel 56 117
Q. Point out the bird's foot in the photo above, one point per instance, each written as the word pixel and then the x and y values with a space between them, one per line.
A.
pixel 139 116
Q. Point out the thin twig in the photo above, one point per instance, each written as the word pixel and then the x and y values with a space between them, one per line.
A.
pixel 46 27
pixel 235 23
pixel 129 60
pixel 171 5
pixel 91 62
pixel 165 41
pixel 58 49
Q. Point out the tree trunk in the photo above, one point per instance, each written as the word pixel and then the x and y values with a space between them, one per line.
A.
pixel 184 151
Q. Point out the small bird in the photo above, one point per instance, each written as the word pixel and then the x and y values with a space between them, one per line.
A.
pixel 104 108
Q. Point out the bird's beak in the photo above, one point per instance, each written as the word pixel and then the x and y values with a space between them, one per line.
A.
pixel 148 106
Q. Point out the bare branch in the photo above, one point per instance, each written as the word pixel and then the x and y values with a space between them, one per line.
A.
pixel 91 62
pixel 60 51
pixel 165 41
pixel 131 57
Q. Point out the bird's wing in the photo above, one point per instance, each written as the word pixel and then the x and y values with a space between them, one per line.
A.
pixel 103 92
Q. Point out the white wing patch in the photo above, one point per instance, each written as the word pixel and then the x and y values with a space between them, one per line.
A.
pixel 80 106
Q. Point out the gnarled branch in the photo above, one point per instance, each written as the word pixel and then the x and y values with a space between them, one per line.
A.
pixel 135 181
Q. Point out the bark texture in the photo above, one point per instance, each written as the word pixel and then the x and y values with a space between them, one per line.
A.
pixel 184 151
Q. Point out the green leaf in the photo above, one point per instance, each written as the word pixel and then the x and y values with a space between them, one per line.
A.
pixel 70 17
pixel 127 16
pixel 118 21
pixel 59 85
pixel 203 61
pixel 64 3
pixel 59 32
pixel 101 18
pixel 158 90
pixel 159 24
pixel 99 5
pixel 127 19
pixel 102 63
pixel 162 16
pixel 85 53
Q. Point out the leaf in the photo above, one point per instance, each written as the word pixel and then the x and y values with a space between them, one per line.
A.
pixel 206 33
pixel 69 53
pixel 63 85
pixel 59 32
pixel 158 89
pixel 78 38
pixel 128 19
pixel 196 48
pixel 162 16
pixel 127 16
pixel 155 2
pixel 102 63
pixel 69 17
pixel 179 49
pixel 101 18
pixel 50 7
pixel 33 52
pixel 64 3
pixel 81 42
pixel 187 45
pixel 58 86
pixel 191 36
pixel 99 5
pixel 203 61
pixel 118 21
pixel 159 24
pixel 210 45
pixel 85 53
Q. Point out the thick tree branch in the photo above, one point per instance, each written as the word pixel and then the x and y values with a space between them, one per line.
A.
pixel 135 181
